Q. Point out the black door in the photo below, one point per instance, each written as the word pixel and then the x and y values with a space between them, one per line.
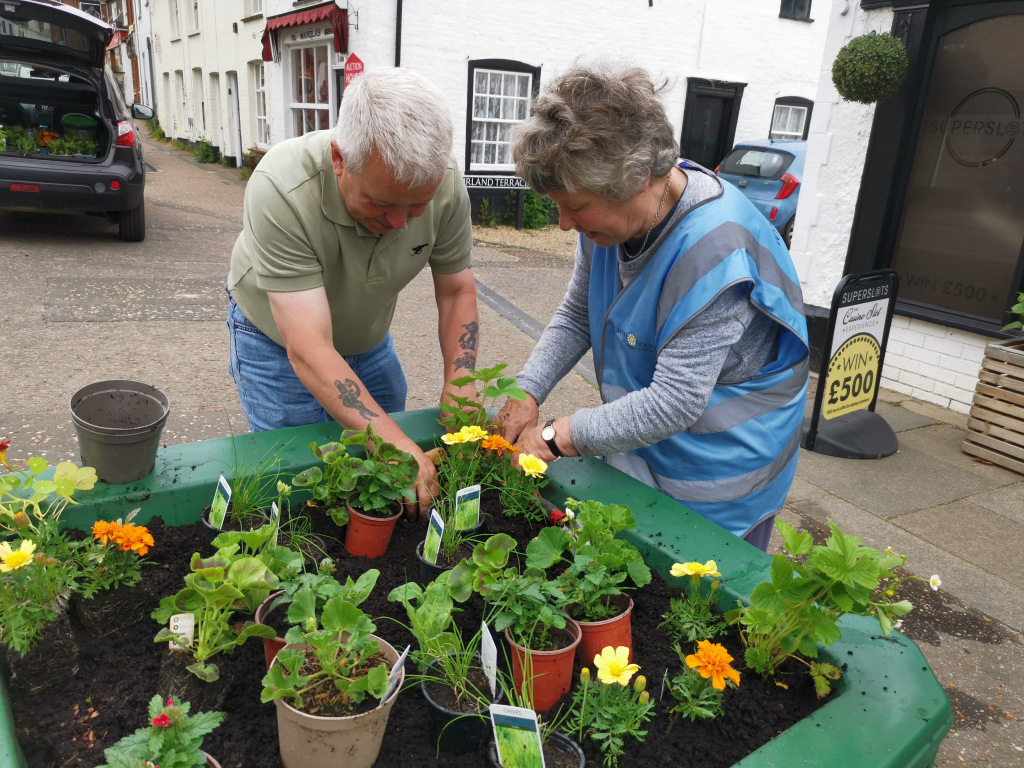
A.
pixel 709 121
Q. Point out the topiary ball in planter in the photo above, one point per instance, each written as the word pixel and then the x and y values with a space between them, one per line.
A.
pixel 870 68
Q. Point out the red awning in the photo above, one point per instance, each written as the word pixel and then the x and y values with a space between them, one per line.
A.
pixel 338 18
pixel 120 36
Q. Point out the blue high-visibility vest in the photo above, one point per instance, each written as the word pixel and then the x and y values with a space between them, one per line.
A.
pixel 735 464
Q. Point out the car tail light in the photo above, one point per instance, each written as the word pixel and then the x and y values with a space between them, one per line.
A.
pixel 718 168
pixel 24 188
pixel 115 185
pixel 789 185
pixel 125 134
pixel 774 213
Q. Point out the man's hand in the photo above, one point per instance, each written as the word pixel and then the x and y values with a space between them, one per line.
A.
pixel 516 416
pixel 426 487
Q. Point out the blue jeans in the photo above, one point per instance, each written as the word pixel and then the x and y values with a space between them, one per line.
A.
pixel 272 395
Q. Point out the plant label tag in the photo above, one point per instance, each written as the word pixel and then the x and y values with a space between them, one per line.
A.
pixel 395 679
pixel 489 657
pixel 182 624
pixel 467 508
pixel 275 521
pixel 432 543
pixel 219 505
pixel 517 736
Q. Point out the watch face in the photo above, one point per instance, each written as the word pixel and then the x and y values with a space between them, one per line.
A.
pixel 548 433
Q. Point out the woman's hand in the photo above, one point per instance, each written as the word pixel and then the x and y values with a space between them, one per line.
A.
pixel 530 441
pixel 516 416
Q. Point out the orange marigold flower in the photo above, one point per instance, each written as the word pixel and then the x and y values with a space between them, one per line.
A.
pixel 498 444
pixel 712 660
pixel 103 531
pixel 134 537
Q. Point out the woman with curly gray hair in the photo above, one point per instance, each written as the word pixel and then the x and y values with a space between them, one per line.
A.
pixel 687 296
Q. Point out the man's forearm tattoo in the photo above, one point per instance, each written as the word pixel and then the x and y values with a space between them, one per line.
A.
pixel 348 393
pixel 467 342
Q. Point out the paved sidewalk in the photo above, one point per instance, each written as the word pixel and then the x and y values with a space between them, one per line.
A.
pixel 79 306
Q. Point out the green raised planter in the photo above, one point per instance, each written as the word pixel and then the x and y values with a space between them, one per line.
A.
pixel 888 711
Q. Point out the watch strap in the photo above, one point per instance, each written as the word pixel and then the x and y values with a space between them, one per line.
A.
pixel 552 445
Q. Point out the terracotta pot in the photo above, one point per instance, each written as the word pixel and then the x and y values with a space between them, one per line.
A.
pixel 557 743
pixel 211 762
pixel 52 660
pixel 369 536
pixel 598 635
pixel 451 731
pixel 271 645
pixel 112 610
pixel 549 672
pixel 311 741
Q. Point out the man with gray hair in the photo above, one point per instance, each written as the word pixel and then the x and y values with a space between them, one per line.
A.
pixel 335 224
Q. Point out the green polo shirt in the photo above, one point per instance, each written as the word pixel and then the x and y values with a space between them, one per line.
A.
pixel 297 234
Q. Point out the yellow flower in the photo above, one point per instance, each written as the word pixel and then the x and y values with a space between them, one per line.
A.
pixel 474 434
pixel 613 666
pixel 84 478
pixel 11 560
pixel 454 438
pixel 696 569
pixel 531 465
pixel 712 660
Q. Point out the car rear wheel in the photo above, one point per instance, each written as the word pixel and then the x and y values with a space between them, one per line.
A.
pixel 787 232
pixel 132 224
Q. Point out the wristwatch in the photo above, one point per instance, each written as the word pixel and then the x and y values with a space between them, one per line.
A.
pixel 548 435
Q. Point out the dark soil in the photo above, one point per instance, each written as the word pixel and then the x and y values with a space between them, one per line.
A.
pixel 70 724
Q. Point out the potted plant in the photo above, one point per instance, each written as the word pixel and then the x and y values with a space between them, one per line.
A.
pixel 331 686
pixel 108 597
pixel 39 569
pixel 798 611
pixel 199 623
pixel 526 607
pixel 995 429
pixel 254 478
pixel 322 585
pixel 870 68
pixel 174 739
pixel 591 587
pixel 452 679
pixel 365 492
pixel 610 709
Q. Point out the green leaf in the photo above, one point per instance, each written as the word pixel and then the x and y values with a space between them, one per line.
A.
pixel 36 465
pixel 794 542
pixel 547 547
pixel 208 673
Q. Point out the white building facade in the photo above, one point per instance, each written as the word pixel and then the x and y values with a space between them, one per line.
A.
pixel 731 68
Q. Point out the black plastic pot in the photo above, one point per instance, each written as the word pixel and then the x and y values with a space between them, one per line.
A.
pixel 455 732
pixel 556 741
pixel 119 424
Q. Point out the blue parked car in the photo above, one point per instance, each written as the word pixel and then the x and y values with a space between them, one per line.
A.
pixel 768 173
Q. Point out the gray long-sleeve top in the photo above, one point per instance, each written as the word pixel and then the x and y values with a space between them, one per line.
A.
pixel 729 341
